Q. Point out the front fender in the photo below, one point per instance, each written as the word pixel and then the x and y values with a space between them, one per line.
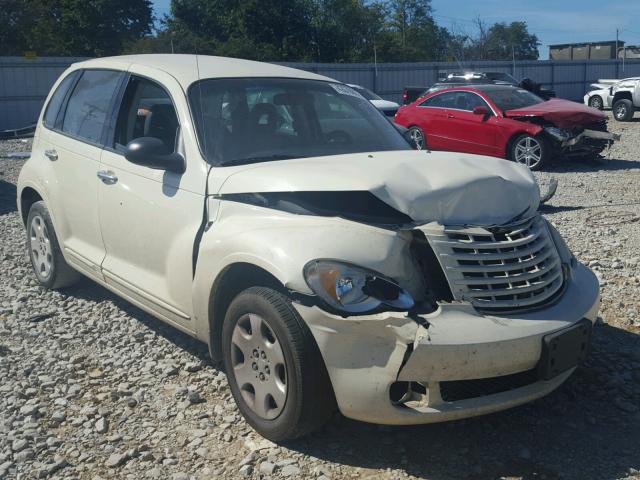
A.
pixel 282 243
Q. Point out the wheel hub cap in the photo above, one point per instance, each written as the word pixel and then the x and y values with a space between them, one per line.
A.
pixel 40 247
pixel 258 366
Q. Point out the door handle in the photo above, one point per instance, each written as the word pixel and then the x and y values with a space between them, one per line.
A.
pixel 107 177
pixel 450 115
pixel 51 155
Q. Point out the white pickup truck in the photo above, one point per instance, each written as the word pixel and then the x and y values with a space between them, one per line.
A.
pixel 625 98
pixel 277 216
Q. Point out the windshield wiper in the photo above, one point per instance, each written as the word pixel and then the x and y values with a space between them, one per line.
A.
pixel 261 158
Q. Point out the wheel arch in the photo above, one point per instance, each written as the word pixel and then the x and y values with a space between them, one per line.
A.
pixel 28 196
pixel 233 279
pixel 624 95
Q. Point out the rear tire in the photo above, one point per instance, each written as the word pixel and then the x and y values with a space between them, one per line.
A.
pixel 49 265
pixel 285 392
pixel 623 110
pixel 596 102
pixel 531 151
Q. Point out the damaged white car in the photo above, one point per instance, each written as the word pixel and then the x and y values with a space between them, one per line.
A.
pixel 276 215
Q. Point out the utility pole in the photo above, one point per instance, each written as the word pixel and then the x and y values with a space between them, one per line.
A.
pixel 617 74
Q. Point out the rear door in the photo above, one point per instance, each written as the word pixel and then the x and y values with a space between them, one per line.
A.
pixel 73 143
pixel 149 217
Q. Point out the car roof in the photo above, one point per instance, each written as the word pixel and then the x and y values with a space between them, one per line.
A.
pixel 185 70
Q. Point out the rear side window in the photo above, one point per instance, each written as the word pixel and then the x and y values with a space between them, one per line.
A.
pixel 89 103
pixel 57 98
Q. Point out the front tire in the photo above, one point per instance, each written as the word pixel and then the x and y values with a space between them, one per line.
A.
pixel 274 368
pixel 530 151
pixel 596 102
pixel 623 110
pixel 49 265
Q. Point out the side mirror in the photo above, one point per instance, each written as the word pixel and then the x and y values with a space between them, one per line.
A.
pixel 153 153
pixel 481 110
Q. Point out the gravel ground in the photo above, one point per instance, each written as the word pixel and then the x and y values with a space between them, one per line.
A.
pixel 92 387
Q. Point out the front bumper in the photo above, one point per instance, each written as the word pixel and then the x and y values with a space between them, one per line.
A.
pixel 594 141
pixel 366 355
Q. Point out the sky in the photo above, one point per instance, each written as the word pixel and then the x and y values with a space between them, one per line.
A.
pixel 553 21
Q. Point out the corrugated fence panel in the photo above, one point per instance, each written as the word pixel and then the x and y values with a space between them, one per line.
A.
pixel 24 83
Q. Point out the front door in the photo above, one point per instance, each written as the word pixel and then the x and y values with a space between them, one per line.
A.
pixel 470 132
pixel 150 217
pixel 73 144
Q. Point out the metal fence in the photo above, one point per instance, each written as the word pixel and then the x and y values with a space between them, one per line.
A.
pixel 24 83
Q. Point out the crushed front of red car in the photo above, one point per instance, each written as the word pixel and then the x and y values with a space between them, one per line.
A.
pixel 571 128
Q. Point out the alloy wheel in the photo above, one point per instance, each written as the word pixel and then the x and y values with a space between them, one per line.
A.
pixel 259 366
pixel 40 251
pixel 417 137
pixel 621 111
pixel 528 152
pixel 596 102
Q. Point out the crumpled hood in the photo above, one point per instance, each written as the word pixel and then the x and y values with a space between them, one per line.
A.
pixel 562 113
pixel 450 188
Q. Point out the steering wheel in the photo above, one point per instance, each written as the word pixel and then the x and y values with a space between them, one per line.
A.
pixel 337 137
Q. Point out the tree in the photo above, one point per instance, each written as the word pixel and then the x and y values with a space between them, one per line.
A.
pixel 411 34
pixel 501 42
pixel 507 41
pixel 73 27
pixel 254 29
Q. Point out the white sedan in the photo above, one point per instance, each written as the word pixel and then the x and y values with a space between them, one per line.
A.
pixel 599 94
pixel 387 107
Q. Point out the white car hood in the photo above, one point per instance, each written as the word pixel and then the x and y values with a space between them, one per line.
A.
pixel 384 104
pixel 450 188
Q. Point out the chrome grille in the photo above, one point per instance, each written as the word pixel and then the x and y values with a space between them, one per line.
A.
pixel 499 268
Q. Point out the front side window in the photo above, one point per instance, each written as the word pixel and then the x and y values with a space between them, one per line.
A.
pixel 468 101
pixel 146 111
pixel 57 98
pixel 89 104
pixel 251 120
pixel 511 98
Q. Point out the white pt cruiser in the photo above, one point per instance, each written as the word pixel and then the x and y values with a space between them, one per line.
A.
pixel 278 216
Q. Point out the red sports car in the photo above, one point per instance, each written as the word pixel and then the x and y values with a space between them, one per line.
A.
pixel 505 121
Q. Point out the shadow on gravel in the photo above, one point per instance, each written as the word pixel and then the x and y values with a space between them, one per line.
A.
pixel 588 429
pixel 89 290
pixel 8 194
pixel 590 165
pixel 557 209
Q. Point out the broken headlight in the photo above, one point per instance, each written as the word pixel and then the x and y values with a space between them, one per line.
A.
pixel 353 289
pixel 560 134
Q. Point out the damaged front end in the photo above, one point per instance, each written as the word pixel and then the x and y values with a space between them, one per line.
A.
pixel 592 139
pixel 427 281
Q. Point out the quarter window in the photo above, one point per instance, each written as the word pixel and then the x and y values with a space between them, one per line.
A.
pixel 146 111
pixel 89 104
pixel 57 98
pixel 442 100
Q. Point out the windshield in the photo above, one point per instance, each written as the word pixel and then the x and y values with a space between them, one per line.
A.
pixel 502 77
pixel 248 120
pixel 512 98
